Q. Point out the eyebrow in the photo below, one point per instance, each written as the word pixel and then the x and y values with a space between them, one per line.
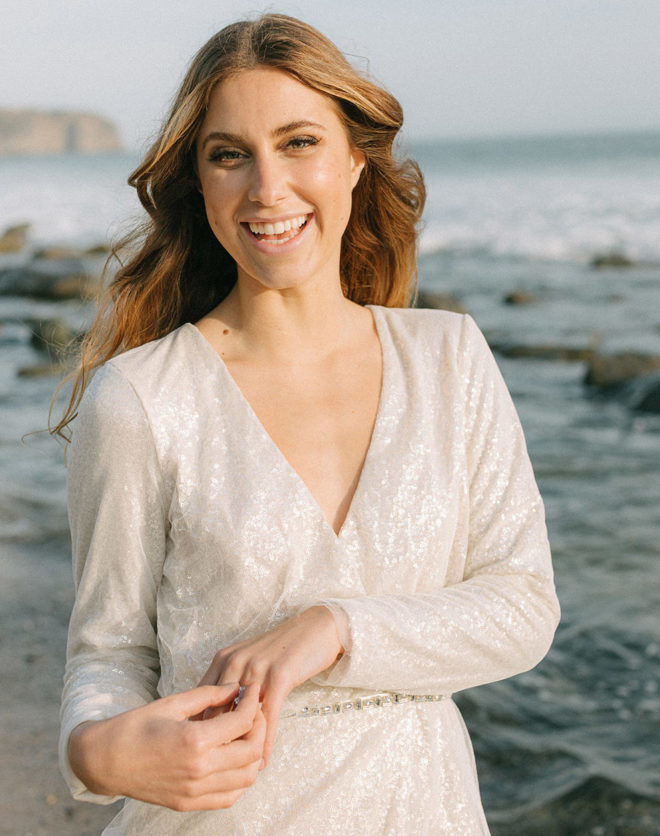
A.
pixel 234 139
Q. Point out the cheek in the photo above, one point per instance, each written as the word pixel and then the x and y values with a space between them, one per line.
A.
pixel 217 201
pixel 330 185
pixel 333 168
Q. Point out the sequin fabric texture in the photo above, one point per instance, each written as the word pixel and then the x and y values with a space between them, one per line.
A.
pixel 191 531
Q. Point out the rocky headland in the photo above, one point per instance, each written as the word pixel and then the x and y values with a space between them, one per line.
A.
pixel 55 132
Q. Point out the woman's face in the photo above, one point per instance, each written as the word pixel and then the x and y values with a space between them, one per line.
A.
pixel 276 170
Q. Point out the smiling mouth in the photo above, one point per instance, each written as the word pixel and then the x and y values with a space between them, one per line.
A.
pixel 279 232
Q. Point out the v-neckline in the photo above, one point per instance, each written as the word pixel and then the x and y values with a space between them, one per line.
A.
pixel 359 488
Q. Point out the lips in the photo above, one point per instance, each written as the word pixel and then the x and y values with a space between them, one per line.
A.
pixel 277 232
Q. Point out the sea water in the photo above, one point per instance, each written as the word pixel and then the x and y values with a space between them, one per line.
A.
pixel 571 747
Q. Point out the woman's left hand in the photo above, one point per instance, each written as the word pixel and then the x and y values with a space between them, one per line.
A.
pixel 279 661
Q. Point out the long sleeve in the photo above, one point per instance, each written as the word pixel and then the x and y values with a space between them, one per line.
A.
pixel 499 618
pixel 118 530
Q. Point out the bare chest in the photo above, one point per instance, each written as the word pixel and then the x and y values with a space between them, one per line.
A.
pixel 321 419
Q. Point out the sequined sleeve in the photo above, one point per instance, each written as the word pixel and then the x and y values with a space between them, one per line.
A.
pixel 118 530
pixel 499 618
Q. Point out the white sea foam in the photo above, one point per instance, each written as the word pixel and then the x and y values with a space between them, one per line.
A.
pixel 544 215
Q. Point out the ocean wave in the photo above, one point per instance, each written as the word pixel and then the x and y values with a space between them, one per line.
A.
pixel 572 228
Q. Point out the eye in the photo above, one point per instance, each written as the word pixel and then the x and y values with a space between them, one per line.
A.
pixel 228 156
pixel 299 142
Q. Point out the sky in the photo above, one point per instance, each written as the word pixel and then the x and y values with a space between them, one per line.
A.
pixel 461 68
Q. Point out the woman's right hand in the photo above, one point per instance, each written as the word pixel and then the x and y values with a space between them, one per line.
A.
pixel 155 753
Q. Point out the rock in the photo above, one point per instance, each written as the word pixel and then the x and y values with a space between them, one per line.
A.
pixel 439 301
pixel 13 238
pixel 561 353
pixel 56 253
pixel 520 297
pixel 646 397
pixel 618 260
pixel 40 370
pixel 55 132
pixel 99 250
pixel 65 278
pixel 610 370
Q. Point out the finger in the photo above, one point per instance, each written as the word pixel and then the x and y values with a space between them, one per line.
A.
pixel 215 673
pixel 213 801
pixel 249 700
pixel 223 668
pixel 241 753
pixel 190 703
pixel 257 736
pixel 229 726
pixel 272 708
pixel 211 677
pixel 258 730
pixel 225 780
pixel 210 713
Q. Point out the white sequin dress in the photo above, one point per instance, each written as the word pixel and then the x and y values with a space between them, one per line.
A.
pixel 191 531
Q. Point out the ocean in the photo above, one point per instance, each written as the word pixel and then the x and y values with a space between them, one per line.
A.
pixel 572 746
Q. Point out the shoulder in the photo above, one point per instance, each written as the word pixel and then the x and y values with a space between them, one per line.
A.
pixel 421 327
pixel 119 394
pixel 419 319
pixel 156 363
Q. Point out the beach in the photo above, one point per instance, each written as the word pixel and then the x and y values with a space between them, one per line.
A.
pixel 553 246
pixel 34 607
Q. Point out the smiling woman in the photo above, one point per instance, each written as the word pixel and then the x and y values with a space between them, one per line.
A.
pixel 277 171
pixel 302 516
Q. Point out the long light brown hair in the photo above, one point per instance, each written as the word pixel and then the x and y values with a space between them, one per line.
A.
pixel 177 270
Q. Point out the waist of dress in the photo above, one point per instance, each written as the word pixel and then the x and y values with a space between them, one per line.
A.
pixel 385 699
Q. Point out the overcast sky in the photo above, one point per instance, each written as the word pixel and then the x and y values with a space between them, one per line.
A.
pixel 460 67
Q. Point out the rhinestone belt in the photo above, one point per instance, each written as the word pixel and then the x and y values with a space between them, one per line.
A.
pixel 362 703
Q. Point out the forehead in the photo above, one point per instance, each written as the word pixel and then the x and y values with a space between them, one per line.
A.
pixel 267 97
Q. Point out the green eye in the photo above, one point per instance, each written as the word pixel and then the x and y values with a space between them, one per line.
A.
pixel 220 155
pixel 302 142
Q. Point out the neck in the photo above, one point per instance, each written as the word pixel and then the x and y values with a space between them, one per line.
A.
pixel 286 324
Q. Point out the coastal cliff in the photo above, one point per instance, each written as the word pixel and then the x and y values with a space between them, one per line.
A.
pixel 55 132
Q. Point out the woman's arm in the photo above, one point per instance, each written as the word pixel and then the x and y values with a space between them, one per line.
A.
pixel 497 621
pixel 118 534
pixel 115 738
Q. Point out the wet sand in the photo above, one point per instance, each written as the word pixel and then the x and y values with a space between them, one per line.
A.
pixel 35 601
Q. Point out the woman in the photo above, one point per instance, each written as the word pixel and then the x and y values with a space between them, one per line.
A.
pixel 309 491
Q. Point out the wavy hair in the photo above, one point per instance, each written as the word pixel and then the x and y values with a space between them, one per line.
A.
pixel 177 271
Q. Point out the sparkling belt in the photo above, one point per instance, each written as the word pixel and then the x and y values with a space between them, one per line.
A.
pixel 381 700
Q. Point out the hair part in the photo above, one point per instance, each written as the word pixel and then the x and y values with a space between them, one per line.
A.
pixel 177 271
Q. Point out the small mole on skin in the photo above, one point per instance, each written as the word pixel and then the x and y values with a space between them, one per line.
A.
pixel 226 331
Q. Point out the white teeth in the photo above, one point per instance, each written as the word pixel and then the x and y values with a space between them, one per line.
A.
pixel 279 227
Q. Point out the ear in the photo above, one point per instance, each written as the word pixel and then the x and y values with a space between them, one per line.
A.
pixel 358 161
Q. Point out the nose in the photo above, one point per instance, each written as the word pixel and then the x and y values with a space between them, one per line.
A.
pixel 268 181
